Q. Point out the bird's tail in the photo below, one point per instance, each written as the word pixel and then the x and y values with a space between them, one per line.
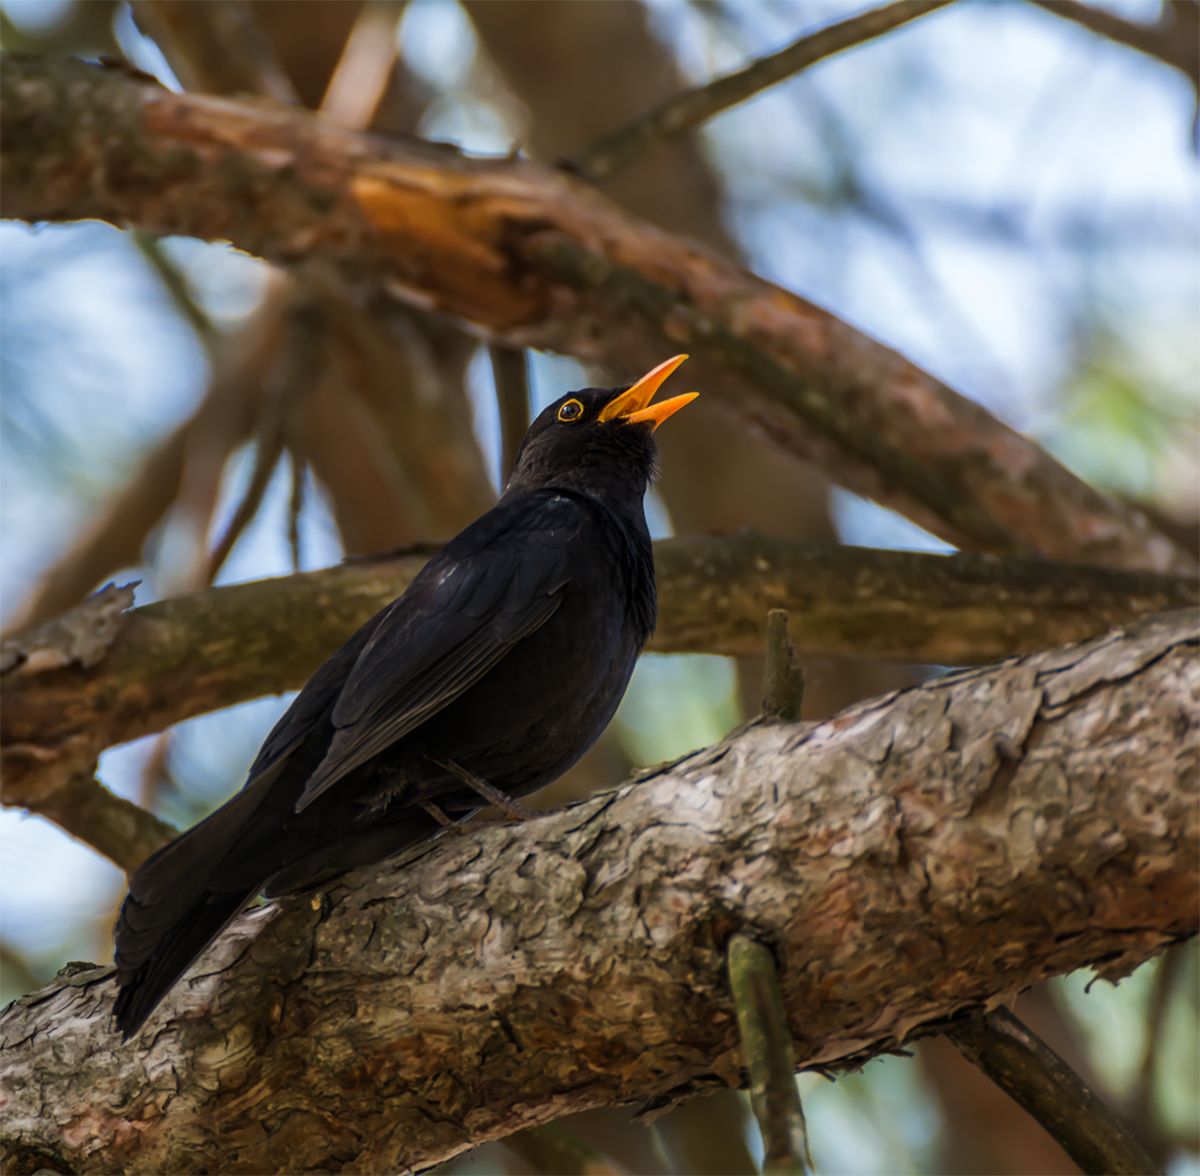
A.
pixel 178 903
pixel 151 959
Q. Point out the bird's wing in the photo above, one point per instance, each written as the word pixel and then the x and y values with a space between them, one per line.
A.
pixel 494 584
pixel 318 697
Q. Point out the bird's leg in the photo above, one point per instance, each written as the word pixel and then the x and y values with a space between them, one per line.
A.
pixel 439 816
pixel 489 792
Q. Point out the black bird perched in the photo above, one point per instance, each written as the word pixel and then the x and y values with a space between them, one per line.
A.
pixel 491 675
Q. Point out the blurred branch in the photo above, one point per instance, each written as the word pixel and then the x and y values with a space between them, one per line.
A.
pixel 365 65
pixel 707 1135
pixel 297 367
pixel 1142 1109
pixel 892 856
pixel 767 1045
pixel 623 290
pixel 1174 38
pixel 178 658
pixel 510 371
pixel 687 110
pixel 214 46
pixel 465 236
pixel 1029 1070
pixel 557 1150
pixel 176 286
pixel 114 827
pixel 186 466
pixel 17 968
pixel 408 372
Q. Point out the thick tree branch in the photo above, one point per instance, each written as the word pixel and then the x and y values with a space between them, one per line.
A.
pixel 480 239
pixel 179 658
pixel 689 109
pixel 915 859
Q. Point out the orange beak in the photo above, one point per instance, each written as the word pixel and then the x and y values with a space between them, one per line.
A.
pixel 634 404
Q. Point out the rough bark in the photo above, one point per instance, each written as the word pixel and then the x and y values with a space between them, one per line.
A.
pixel 538 259
pixel 175 659
pixel 914 859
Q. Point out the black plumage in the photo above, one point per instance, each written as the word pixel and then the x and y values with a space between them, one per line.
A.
pixel 502 663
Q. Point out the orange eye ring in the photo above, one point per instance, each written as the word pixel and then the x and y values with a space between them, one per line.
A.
pixel 571 411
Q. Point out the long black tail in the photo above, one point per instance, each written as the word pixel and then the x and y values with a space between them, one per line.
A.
pixel 151 959
pixel 183 896
pixel 176 906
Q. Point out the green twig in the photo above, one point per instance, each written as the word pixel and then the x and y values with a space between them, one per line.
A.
pixel 783 678
pixel 767 1043
pixel 1023 1066
pixel 689 108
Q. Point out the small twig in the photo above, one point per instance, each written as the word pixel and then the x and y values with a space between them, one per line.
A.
pixel 365 65
pixel 510 370
pixel 783 678
pixel 555 1148
pixel 630 292
pixel 178 289
pixel 768 1047
pixel 1025 1067
pixel 297 368
pixel 688 109
pixel 296 502
pixel 1172 38
pixel 155 771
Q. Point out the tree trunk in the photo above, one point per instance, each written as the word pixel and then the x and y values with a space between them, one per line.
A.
pixel 914 859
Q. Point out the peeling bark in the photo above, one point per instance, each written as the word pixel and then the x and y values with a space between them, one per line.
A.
pixel 492 241
pixel 916 858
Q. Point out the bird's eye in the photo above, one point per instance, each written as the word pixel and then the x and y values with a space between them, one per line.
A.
pixel 571 411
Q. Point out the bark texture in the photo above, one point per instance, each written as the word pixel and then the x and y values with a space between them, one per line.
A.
pixel 538 259
pixel 914 859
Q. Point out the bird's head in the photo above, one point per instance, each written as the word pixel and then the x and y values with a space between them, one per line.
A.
pixel 597 439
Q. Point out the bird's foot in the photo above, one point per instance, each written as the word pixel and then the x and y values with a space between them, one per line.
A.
pixel 505 803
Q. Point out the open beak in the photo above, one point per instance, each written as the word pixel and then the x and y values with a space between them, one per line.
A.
pixel 634 404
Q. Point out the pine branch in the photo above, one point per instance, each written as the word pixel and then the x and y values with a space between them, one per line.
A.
pixel 175 659
pixel 915 860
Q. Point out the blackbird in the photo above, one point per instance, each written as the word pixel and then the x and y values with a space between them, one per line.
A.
pixel 488 678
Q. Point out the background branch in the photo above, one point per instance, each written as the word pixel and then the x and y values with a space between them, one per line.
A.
pixel 518 973
pixel 689 109
pixel 1024 1066
pixel 463 236
pixel 1174 38
pixel 179 658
